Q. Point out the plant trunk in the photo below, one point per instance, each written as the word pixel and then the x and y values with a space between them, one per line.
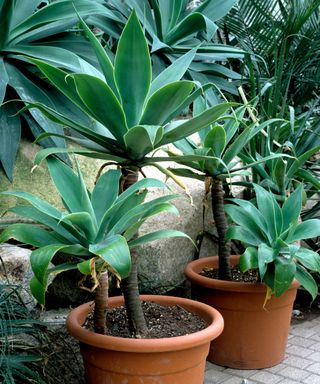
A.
pixel 219 216
pixel 129 286
pixel 100 304
pixel 136 320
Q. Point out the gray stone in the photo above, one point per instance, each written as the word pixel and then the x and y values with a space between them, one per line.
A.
pixel 15 269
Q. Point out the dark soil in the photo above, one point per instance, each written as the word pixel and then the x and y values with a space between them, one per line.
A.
pixel 251 276
pixel 162 321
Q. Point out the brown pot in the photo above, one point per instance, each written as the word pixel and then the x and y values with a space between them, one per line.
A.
pixel 253 337
pixel 116 360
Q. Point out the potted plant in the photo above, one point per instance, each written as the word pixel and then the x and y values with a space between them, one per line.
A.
pixel 131 116
pixel 98 230
pixel 257 314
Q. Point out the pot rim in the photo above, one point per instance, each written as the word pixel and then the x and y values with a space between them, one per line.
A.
pixel 215 326
pixel 192 272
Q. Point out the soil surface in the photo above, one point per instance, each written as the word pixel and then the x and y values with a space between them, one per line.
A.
pixel 250 276
pixel 162 321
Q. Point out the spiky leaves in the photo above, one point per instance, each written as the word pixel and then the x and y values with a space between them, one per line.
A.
pixel 269 232
pixel 97 227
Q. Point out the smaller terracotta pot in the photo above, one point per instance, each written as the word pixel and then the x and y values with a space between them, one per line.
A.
pixel 175 360
pixel 253 337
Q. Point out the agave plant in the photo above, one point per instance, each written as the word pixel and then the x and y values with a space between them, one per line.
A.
pixel 222 145
pixel 97 228
pixel 270 233
pixel 44 32
pixel 130 113
pixel 174 28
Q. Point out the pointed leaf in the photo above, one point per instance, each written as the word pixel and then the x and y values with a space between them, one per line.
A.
pixel 307 281
pixel 70 186
pixel 133 70
pixel 10 133
pixel 285 270
pixel 147 135
pixel 41 258
pixel 174 72
pixel 103 58
pixel 309 259
pixel 291 208
pixel 115 252
pixel 105 192
pixel 102 104
pixel 195 124
pixel 83 221
pixel 28 234
pixel 216 139
pixel 249 259
pixel 165 101
pixel 305 230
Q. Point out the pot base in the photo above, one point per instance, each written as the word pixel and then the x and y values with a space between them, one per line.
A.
pixel 116 360
pixel 253 337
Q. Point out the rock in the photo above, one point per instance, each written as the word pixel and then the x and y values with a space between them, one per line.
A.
pixel 38 182
pixel 15 269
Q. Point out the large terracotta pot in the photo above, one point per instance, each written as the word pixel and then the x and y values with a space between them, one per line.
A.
pixel 116 360
pixel 253 337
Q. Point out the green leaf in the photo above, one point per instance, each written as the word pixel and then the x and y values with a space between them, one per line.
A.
pixel 308 258
pixel 102 56
pixel 285 270
pixel 249 259
pixel 165 101
pixel 32 213
pixel 163 233
pixel 85 266
pixel 115 252
pixel 191 24
pixel 291 208
pixel 266 255
pixel 133 70
pixel 307 281
pixel 28 234
pixel 38 203
pixel 41 258
pixel 216 139
pixel 10 132
pixel 243 235
pixel 105 192
pixel 6 13
pixel 38 290
pixel 297 164
pixel 174 72
pixel 217 9
pixel 195 124
pixel 102 104
pixel 236 146
pixel 70 186
pixel 305 230
pixel 239 216
pixel 4 79
pixel 148 136
pixel 84 222
pixel 270 210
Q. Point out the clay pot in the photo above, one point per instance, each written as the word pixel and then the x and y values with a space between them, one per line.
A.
pixel 116 360
pixel 253 337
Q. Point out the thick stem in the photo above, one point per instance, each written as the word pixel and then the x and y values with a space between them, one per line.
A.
pixel 217 196
pixel 136 320
pixel 100 306
pixel 129 286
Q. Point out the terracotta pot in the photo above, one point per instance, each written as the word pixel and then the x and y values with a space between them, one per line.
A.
pixel 253 337
pixel 116 360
